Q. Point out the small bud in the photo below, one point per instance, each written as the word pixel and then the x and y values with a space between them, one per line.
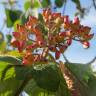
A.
pixel 52 48
pixel 57 54
pixel 16 34
pixel 66 20
pixel 76 21
pixel 86 44
pixel 55 15
pixel 15 43
pixel 63 48
pixel 63 34
pixel 69 42
pixel 41 43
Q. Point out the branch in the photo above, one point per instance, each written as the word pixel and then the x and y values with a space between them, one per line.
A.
pixel 92 61
pixel 66 60
pixel 24 83
pixel 94 4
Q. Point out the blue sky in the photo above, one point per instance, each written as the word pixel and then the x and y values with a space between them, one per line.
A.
pixel 75 53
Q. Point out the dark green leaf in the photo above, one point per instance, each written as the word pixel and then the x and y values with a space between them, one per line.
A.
pixel 45 3
pixel 10 60
pixel 41 77
pixel 59 3
pixel 77 2
pixel 12 16
pixel 9 37
pixel 24 19
pixel 32 88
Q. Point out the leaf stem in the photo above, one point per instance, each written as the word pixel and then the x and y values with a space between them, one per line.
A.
pixel 24 83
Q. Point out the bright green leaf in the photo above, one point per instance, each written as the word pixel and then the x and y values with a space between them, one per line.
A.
pixel 27 5
pixel 37 4
pixel 2 46
pixel 9 85
pixel 15 24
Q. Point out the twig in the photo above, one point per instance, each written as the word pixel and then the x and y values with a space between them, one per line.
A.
pixel 64 8
pixel 92 61
pixel 94 4
pixel 66 60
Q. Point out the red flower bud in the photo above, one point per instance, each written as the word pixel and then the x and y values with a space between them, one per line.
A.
pixel 63 48
pixel 21 45
pixel 55 15
pixel 15 43
pixel 16 35
pixel 86 44
pixel 63 34
pixel 41 43
pixel 25 62
pixel 52 48
pixel 66 20
pixel 57 54
pixel 69 42
pixel 76 21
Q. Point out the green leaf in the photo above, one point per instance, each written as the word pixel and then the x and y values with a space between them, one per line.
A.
pixel 23 72
pixel 41 77
pixel 92 86
pixel 14 53
pixel 45 3
pixel 9 84
pixel 12 16
pixel 9 38
pixel 27 5
pixel 32 88
pixel 1 37
pixel 41 25
pixel 82 71
pixel 47 80
pixel 59 3
pixel 10 60
pixel 77 2
pixel 37 4
pixel 15 24
pixel 24 19
pixel 2 46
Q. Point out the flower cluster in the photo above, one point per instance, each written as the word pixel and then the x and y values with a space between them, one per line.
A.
pixel 54 33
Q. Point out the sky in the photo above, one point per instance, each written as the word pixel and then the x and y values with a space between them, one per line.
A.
pixel 75 53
